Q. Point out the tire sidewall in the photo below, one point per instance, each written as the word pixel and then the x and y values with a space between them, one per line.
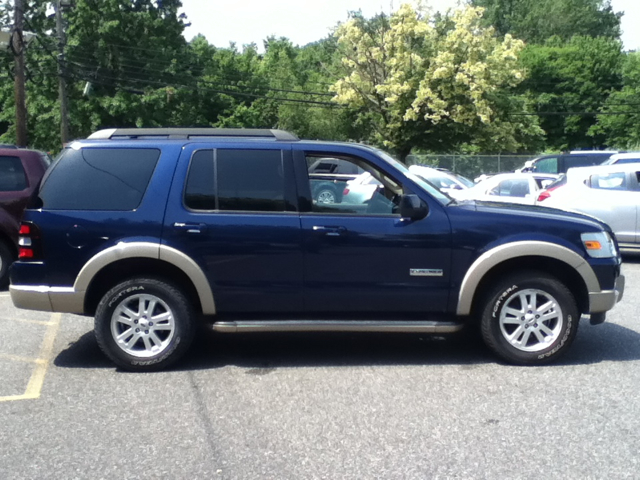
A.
pixel 183 320
pixel 326 188
pixel 6 259
pixel 490 321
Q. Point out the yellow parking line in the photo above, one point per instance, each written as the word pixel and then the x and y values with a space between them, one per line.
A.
pixel 18 358
pixel 34 387
pixel 28 320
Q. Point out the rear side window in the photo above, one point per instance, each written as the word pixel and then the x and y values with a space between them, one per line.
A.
pixel 547 165
pixel 99 179
pixel 238 180
pixel 611 181
pixel 12 177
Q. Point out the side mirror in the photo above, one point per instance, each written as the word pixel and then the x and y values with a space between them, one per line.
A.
pixel 412 207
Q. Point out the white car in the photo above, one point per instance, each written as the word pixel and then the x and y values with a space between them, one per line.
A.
pixel 522 188
pixel 362 188
pixel 608 192
pixel 618 158
pixel 443 180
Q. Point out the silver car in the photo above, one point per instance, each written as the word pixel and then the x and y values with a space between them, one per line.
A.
pixel 519 188
pixel 610 193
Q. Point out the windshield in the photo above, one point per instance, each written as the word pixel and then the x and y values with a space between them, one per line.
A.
pixel 428 187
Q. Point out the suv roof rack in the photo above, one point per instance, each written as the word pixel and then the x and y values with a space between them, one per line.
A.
pixel 188 133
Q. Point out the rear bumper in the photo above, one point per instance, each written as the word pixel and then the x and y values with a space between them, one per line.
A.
pixel 605 300
pixel 47 299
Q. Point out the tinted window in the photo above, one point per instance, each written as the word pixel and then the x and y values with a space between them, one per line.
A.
pixel 99 179
pixel 629 160
pixel 200 189
pixel 245 180
pixel 511 188
pixel 571 161
pixel 250 180
pixel 12 177
pixel 546 165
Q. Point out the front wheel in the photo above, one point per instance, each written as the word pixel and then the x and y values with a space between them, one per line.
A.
pixel 529 318
pixel 144 324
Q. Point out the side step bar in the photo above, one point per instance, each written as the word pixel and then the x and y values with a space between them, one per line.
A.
pixel 335 326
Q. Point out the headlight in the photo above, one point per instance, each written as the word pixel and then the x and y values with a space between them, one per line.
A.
pixel 599 245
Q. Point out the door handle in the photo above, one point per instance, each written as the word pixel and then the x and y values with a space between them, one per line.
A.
pixel 190 227
pixel 330 231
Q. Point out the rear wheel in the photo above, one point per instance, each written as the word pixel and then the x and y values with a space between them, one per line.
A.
pixel 6 259
pixel 529 318
pixel 144 324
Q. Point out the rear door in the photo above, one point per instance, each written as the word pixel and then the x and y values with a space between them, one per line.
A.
pixel 233 211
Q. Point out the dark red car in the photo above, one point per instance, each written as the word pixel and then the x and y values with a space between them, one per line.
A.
pixel 20 173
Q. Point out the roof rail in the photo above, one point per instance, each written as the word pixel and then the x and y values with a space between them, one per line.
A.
pixel 190 133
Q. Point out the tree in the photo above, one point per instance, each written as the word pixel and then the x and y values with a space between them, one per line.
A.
pixel 619 121
pixel 435 86
pixel 534 21
pixel 568 83
pixel 130 51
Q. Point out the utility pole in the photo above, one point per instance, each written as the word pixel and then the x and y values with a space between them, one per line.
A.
pixel 20 96
pixel 62 82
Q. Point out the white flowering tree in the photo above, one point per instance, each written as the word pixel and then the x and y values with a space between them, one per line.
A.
pixel 433 84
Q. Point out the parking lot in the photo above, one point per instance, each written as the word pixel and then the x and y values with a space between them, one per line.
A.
pixel 290 406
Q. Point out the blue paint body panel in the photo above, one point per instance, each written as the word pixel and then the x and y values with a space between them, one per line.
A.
pixel 286 262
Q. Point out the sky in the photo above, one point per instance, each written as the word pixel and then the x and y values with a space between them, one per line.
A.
pixel 305 21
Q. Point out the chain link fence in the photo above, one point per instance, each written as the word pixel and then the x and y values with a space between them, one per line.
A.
pixel 471 166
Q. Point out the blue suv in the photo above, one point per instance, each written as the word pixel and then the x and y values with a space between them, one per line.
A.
pixel 152 230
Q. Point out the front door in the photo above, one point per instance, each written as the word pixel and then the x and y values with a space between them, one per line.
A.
pixel 361 256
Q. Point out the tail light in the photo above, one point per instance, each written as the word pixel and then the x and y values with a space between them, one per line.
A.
pixel 547 193
pixel 345 191
pixel 29 242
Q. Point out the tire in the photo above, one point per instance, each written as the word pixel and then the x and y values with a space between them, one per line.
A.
pixel 529 318
pixel 326 195
pixel 149 341
pixel 6 259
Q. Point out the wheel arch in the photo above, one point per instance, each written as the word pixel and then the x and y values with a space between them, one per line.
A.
pixel 561 262
pixel 126 260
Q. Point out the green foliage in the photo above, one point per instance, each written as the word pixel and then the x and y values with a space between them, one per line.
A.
pixel 619 122
pixel 534 21
pixel 568 82
pixel 442 83
pixel 417 85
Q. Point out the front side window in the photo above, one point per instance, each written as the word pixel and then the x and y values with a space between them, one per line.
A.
pixel 12 177
pixel 99 179
pixel 366 190
pixel 236 180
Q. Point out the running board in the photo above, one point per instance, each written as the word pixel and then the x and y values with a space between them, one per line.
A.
pixel 335 326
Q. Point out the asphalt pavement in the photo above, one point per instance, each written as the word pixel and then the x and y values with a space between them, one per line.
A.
pixel 326 406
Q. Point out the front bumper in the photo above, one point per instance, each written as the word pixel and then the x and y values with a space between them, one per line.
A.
pixel 605 300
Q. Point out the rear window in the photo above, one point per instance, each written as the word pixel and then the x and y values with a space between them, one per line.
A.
pixel 236 180
pixel 12 177
pixel 99 179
